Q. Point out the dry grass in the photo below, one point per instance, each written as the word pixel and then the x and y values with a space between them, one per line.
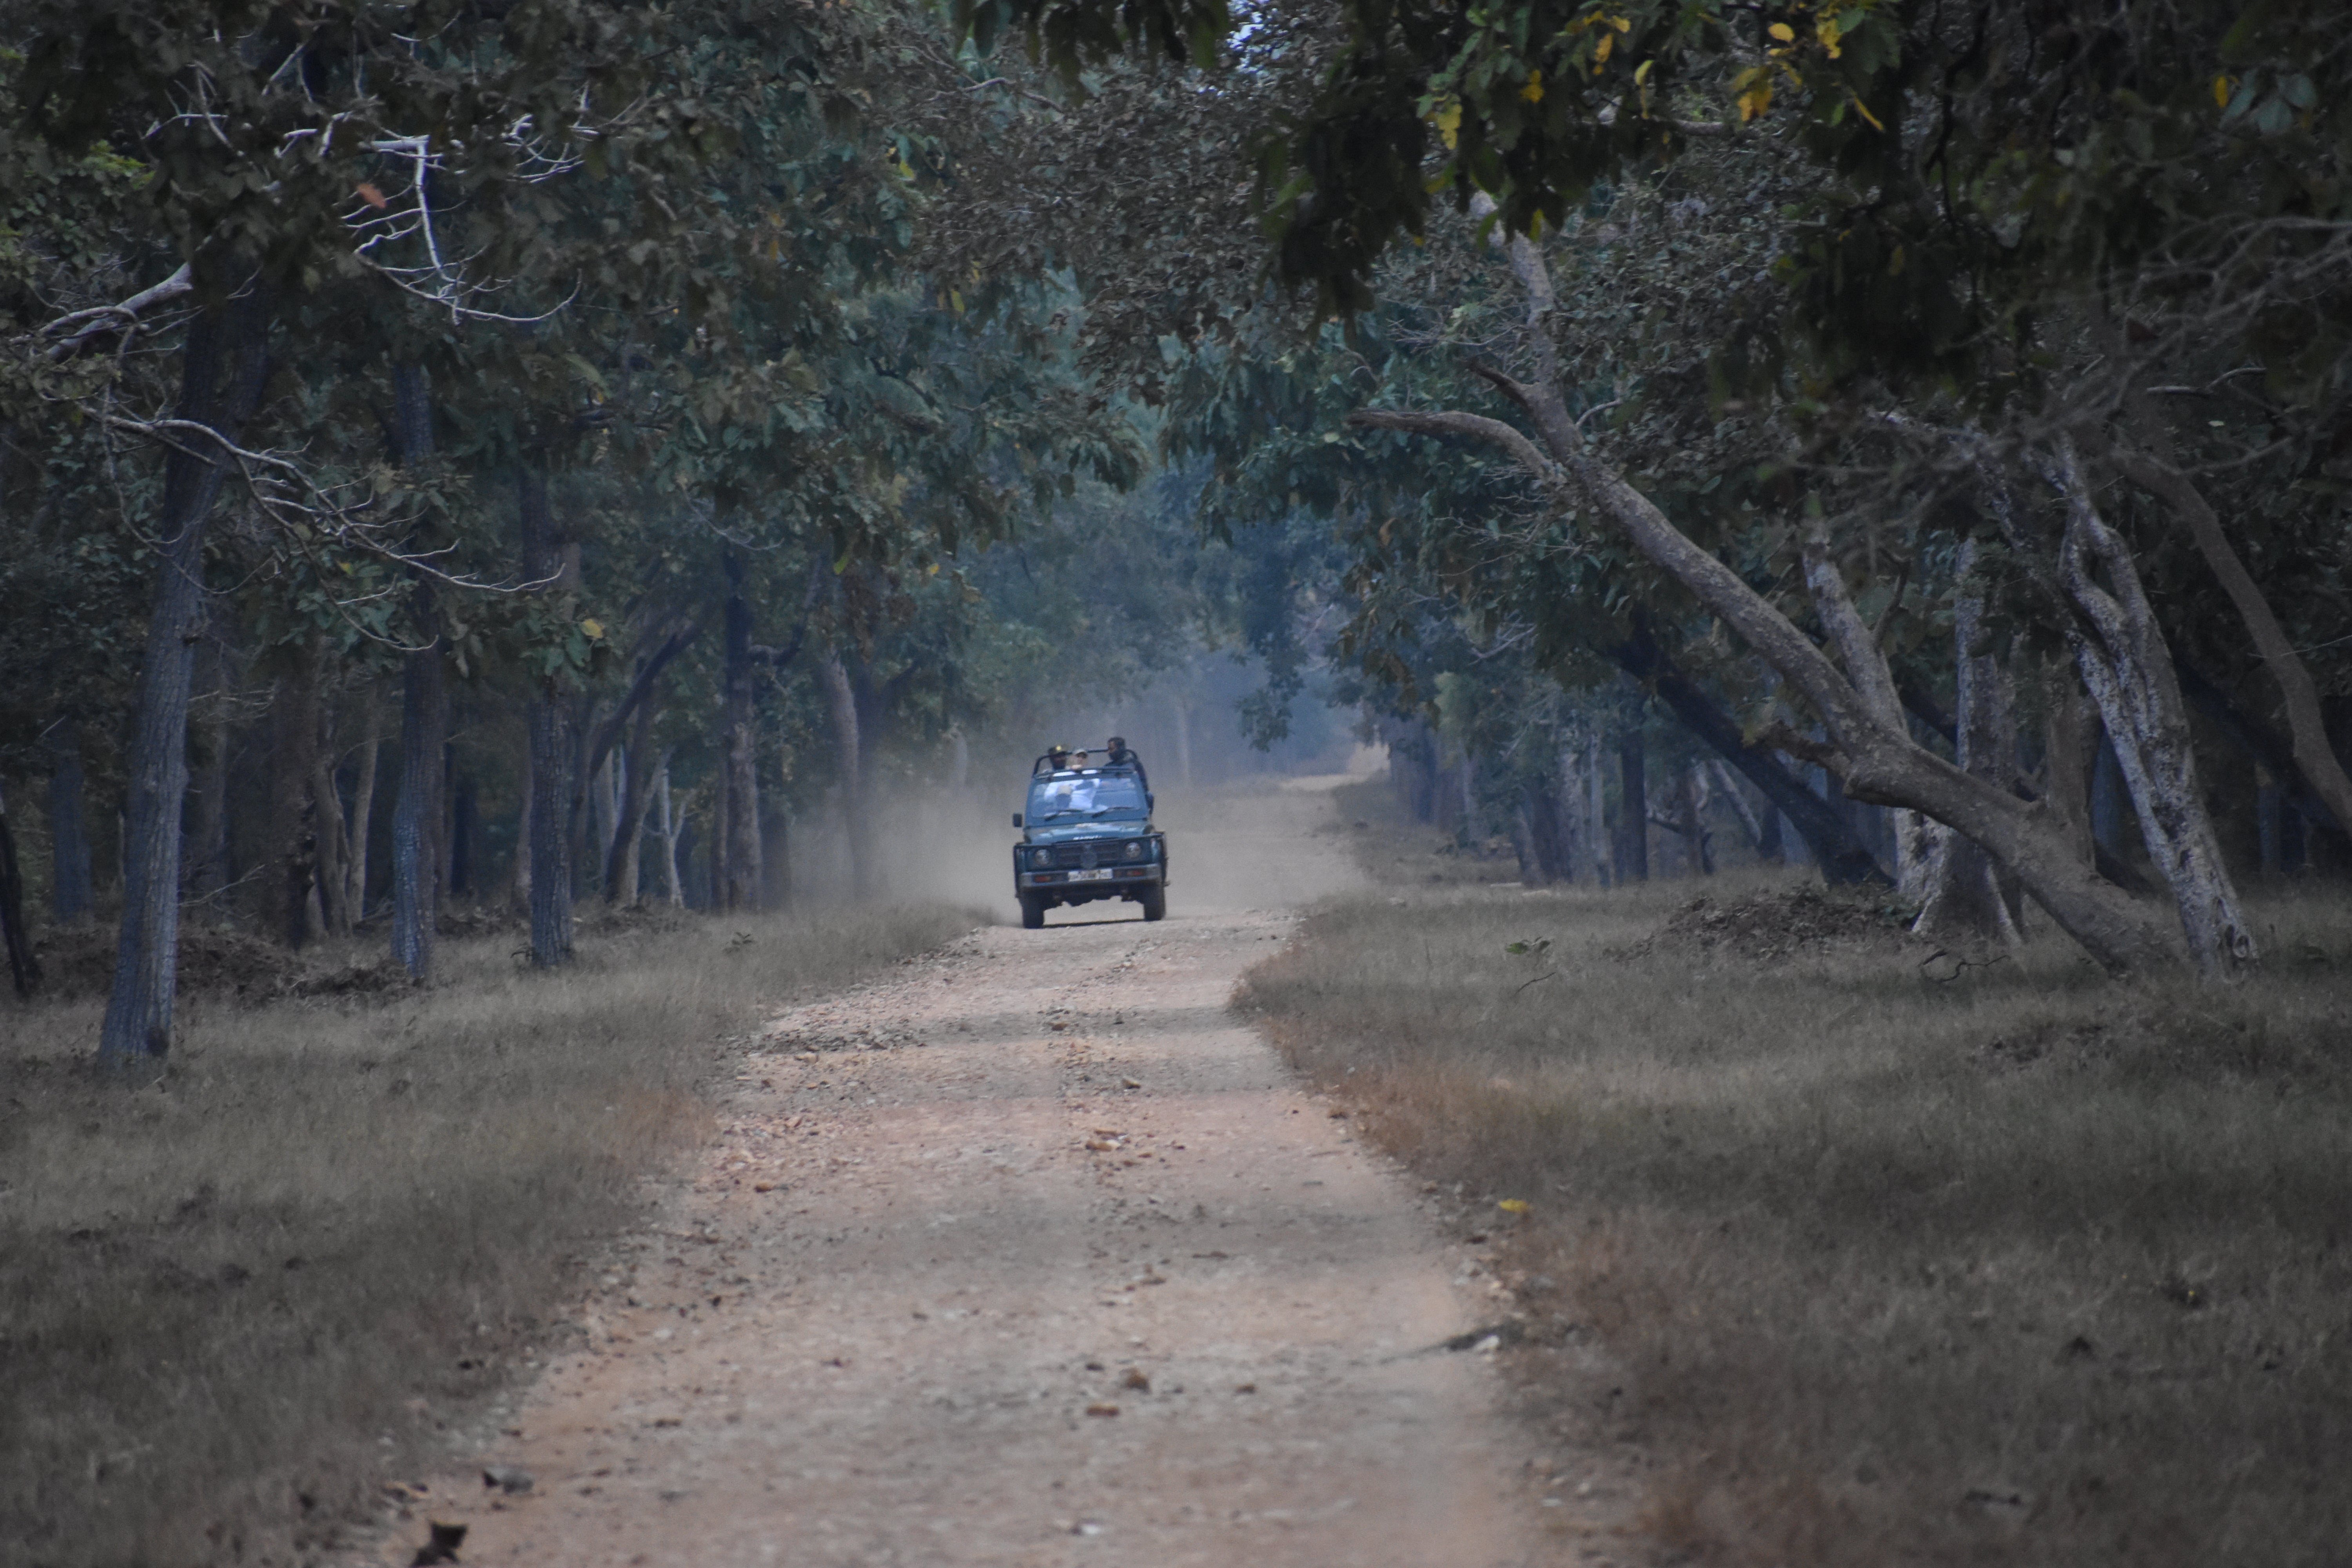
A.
pixel 2022 1267
pixel 233 1301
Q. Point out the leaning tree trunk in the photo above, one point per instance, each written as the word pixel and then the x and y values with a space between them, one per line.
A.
pixel 70 894
pixel 223 370
pixel 553 748
pixel 1879 763
pixel 2128 668
pixel 1964 902
pixel 2307 724
pixel 1873 681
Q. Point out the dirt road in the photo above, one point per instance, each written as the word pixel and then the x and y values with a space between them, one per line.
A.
pixel 1028 1255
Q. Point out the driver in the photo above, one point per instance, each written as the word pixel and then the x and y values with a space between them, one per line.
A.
pixel 1055 759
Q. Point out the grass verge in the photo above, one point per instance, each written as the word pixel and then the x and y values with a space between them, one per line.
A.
pixel 2018 1266
pixel 233 1300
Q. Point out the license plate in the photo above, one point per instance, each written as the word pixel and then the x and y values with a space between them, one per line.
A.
pixel 1101 875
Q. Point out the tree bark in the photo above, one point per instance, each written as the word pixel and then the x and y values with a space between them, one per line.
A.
pixel 70 892
pixel 224 369
pixel 24 969
pixel 1964 901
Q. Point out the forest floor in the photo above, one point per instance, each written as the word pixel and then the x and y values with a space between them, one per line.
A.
pixel 233 1297
pixel 1030 1253
pixel 1903 1254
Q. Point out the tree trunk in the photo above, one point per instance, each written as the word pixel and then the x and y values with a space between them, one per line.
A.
pixel 70 894
pixel 416 809
pixel 1877 763
pixel 2305 722
pixel 521 888
pixel 673 893
pixel 293 755
pixel 1866 669
pixel 327 821
pixel 363 770
pixel 621 874
pixel 1749 823
pixel 205 865
pixel 2128 668
pixel 1632 846
pixel 1596 815
pixel 1964 902
pixel 24 969
pixel 740 878
pixel 553 747
pixel 423 721
pixel 842 702
pixel 465 838
pixel 224 368
pixel 1690 806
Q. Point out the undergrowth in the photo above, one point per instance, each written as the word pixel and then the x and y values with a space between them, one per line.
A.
pixel 1891 1260
pixel 236 1298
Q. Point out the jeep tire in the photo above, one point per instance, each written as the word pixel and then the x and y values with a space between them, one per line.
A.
pixel 1154 900
pixel 1032 912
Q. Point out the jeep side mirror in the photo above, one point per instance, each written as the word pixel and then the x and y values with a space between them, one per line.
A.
pixel 1016 819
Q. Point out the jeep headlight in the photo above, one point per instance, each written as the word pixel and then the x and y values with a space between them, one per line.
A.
pixel 1041 859
pixel 1135 848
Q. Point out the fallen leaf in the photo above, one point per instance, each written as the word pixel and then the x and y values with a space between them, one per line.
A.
pixel 1136 1379
pixel 1102 1409
pixel 1513 1205
pixel 373 197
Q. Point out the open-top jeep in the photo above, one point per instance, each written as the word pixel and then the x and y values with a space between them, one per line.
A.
pixel 1087 835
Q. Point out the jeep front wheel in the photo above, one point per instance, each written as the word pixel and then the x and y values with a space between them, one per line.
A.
pixel 1155 903
pixel 1032 912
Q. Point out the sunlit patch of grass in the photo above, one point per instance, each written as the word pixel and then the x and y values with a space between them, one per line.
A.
pixel 2020 1267
pixel 232 1300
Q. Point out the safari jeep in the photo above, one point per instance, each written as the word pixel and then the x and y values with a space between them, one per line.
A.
pixel 1086 835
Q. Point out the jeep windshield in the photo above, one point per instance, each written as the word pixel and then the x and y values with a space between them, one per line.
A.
pixel 1075 797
